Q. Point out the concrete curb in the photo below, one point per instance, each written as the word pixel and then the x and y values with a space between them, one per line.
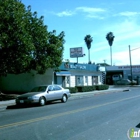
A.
pixel 74 95
pixel 98 92
pixel 7 103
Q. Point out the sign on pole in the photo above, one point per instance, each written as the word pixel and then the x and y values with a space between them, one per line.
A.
pixel 76 52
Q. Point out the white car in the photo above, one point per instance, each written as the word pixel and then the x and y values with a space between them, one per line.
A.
pixel 123 82
pixel 42 94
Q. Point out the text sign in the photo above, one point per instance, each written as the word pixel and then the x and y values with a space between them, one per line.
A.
pixel 76 52
pixel 77 67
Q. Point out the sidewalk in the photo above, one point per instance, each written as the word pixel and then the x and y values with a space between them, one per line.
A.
pixel 111 89
pixel 6 103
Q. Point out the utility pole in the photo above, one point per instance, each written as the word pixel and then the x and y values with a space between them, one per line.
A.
pixel 105 71
pixel 130 64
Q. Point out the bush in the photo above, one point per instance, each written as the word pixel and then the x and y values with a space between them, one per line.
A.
pixel 72 89
pixel 85 88
pixel 4 97
pixel 102 87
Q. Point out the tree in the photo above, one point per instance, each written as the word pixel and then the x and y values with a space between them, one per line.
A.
pixel 25 43
pixel 110 38
pixel 88 39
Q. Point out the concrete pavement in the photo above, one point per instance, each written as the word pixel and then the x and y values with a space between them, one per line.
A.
pixel 7 102
pixel 74 95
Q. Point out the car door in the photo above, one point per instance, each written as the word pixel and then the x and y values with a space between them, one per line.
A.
pixel 50 93
pixel 58 92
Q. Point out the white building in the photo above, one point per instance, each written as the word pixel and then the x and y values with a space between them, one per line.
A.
pixel 70 75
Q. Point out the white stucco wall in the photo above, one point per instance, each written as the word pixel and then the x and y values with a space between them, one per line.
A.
pixel 67 81
pixel 99 80
pixel 89 80
pixel 85 82
pixel 72 81
pixel 25 82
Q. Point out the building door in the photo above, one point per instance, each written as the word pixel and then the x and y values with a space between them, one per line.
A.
pixel 94 80
pixel 63 81
pixel 59 80
pixel 109 79
pixel 79 80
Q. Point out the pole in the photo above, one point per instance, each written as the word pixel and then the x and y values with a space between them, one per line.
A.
pixel 105 71
pixel 130 64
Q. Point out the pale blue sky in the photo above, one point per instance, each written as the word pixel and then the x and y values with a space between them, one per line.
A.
pixel 77 18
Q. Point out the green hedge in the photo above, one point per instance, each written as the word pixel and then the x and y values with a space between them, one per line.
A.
pixel 72 89
pixel 102 87
pixel 85 88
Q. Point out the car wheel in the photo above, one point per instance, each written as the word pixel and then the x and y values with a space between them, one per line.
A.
pixel 64 99
pixel 42 101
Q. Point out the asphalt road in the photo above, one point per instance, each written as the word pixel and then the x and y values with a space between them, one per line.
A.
pixel 101 117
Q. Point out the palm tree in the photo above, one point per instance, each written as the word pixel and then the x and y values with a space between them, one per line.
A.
pixel 110 38
pixel 88 39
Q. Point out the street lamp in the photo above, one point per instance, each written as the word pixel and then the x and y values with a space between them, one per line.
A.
pixel 131 61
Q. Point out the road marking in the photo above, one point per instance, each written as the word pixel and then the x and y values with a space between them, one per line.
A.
pixel 65 113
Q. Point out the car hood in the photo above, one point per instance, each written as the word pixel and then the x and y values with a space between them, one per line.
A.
pixel 30 94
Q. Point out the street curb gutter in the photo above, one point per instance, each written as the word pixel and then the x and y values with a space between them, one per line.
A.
pixel 78 94
pixel 8 102
pixel 98 92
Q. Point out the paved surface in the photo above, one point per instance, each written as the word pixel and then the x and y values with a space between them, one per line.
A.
pixel 74 95
pixel 102 117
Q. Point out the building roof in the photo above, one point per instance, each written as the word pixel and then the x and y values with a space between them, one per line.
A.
pixel 102 64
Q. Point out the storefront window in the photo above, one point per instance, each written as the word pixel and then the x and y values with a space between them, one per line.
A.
pixel 79 80
pixel 67 79
pixel 86 79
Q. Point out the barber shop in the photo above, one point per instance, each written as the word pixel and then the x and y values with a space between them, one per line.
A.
pixel 73 74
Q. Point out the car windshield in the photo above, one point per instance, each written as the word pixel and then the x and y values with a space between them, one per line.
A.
pixel 39 89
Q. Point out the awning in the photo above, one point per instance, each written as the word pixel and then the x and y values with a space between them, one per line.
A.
pixel 63 73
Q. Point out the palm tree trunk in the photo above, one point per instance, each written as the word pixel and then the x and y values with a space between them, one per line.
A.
pixel 89 56
pixel 111 55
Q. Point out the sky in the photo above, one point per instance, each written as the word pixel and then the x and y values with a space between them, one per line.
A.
pixel 78 18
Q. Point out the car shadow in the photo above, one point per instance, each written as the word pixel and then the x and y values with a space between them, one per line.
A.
pixel 31 106
pixel 20 106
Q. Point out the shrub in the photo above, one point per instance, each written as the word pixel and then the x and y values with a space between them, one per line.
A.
pixel 72 89
pixel 85 88
pixel 102 87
